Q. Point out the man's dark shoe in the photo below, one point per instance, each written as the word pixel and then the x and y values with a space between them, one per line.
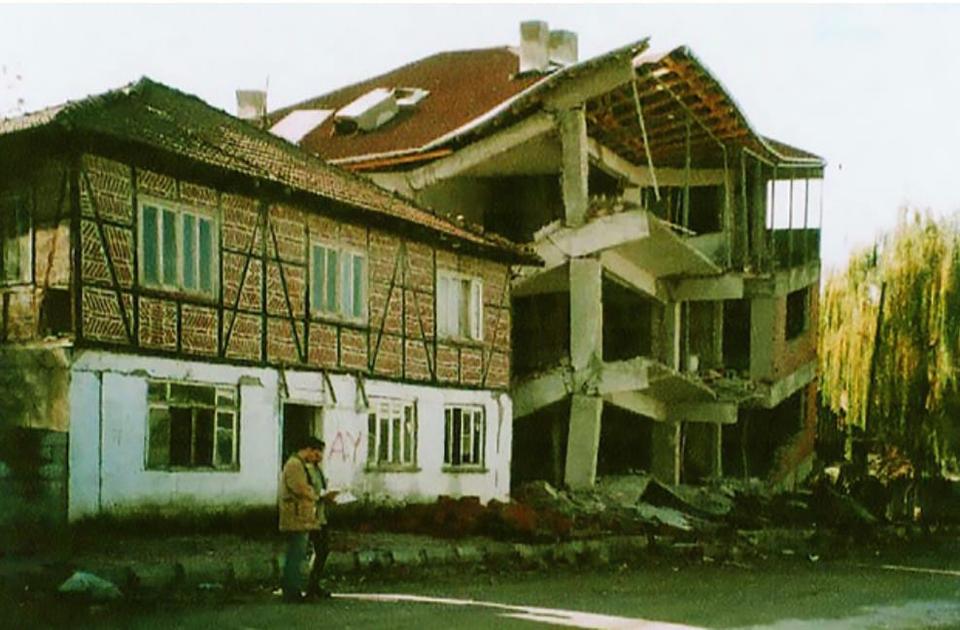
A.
pixel 294 598
pixel 318 593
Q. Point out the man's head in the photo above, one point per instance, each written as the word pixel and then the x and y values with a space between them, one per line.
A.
pixel 312 450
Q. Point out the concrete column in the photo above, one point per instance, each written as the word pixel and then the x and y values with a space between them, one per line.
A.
pixel 701 453
pixel 586 349
pixel 586 312
pixel 716 462
pixel 670 337
pixel 573 139
pixel 665 453
pixel 716 350
pixel 762 312
pixel 583 441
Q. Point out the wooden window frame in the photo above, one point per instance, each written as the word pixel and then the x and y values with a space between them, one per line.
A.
pixel 339 313
pixel 180 211
pixel 469 415
pixel 386 412
pixel 17 201
pixel 475 307
pixel 221 406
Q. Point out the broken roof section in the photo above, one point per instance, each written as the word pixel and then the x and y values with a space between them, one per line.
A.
pixel 476 91
pixel 147 113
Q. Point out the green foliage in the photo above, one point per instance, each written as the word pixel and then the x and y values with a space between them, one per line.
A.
pixel 899 383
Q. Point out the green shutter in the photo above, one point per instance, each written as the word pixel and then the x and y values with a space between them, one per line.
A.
pixel 207 259
pixel 150 259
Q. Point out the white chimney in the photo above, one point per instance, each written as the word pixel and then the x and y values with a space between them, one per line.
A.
pixel 534 39
pixel 563 47
pixel 251 105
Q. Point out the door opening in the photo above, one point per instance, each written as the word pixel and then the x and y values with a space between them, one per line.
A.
pixel 299 423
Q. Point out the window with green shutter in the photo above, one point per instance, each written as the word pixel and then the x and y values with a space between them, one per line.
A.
pixel 338 283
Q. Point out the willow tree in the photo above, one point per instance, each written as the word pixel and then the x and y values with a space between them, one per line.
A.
pixel 890 340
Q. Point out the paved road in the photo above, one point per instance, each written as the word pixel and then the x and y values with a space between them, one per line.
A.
pixel 771 596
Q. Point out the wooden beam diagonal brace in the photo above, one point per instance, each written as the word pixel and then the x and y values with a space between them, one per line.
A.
pixel 101 233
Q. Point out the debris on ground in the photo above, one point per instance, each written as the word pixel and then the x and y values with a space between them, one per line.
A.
pixel 90 586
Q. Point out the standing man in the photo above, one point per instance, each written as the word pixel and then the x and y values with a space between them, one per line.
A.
pixel 302 518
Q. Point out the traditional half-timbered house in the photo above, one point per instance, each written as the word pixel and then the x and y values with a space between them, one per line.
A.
pixel 184 296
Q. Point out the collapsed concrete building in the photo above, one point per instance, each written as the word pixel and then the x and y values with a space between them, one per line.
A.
pixel 673 327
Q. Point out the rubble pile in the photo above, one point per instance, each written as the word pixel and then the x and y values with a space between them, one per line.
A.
pixel 722 517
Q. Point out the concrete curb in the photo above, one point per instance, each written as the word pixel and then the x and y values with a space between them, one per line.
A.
pixel 204 572
pixel 210 573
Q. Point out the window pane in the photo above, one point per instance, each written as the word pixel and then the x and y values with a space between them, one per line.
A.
pixel 225 439
pixel 457 438
pixel 331 280
pixel 196 394
pixel 181 436
pixel 478 441
pixel 22 253
pixel 463 295
pixel 319 275
pixel 158 427
pixel 372 438
pixel 189 252
pixel 226 399
pixel 466 434
pixel 476 310
pixel 358 297
pixel 203 440
pixel 156 391
pixel 384 438
pixel 447 422
pixel 395 442
pixel 151 264
pixel 410 425
pixel 346 284
pixel 169 248
pixel 207 258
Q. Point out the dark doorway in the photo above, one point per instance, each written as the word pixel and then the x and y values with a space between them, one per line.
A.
pixel 299 423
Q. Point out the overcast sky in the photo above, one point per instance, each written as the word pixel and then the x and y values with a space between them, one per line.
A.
pixel 873 89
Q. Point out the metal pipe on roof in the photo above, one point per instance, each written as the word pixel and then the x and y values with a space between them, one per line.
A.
pixel 646 143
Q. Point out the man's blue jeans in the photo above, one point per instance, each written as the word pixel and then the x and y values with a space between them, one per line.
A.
pixel 297 545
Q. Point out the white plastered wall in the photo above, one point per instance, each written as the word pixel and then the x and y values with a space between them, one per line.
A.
pixel 108 409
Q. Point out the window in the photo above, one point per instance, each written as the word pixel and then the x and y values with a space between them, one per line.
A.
pixel 15 242
pixel 178 249
pixel 459 306
pixel 465 437
pixel 191 426
pixel 797 317
pixel 338 283
pixel 392 434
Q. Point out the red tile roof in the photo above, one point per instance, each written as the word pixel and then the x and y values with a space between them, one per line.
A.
pixel 463 85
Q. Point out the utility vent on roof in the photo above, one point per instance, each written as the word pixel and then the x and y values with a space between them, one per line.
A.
pixel 368 112
pixel 295 126
pixel 377 107
pixel 409 96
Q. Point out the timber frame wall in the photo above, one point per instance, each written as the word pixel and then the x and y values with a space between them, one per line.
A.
pixel 260 315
